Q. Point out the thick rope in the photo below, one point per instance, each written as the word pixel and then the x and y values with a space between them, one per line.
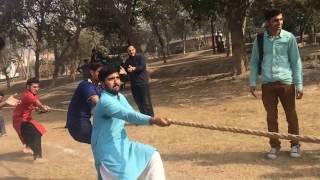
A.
pixel 51 109
pixel 308 139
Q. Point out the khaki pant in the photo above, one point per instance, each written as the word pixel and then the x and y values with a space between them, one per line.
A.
pixel 271 94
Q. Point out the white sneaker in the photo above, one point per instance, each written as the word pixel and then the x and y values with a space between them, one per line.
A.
pixel 295 151
pixel 273 154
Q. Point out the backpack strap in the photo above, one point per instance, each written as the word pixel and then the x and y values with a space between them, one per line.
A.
pixel 260 37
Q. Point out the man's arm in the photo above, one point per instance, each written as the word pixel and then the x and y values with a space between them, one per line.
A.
pixel 94 99
pixel 254 66
pixel 141 63
pixel 11 101
pixel 41 106
pixel 296 66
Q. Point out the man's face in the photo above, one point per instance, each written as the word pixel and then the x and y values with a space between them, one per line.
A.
pixel 275 23
pixel 95 74
pixel 131 51
pixel 34 88
pixel 112 82
pixel 1 98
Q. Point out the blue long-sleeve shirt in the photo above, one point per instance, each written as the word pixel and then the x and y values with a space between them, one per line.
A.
pixel 281 61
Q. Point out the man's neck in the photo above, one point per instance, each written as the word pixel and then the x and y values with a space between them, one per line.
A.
pixel 92 81
pixel 274 33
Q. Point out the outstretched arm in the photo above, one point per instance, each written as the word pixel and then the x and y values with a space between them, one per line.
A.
pixel 125 112
pixel 41 106
pixel 11 101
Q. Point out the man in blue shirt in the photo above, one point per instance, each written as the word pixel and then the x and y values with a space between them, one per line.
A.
pixel 281 76
pixel 81 106
pixel 135 66
pixel 117 157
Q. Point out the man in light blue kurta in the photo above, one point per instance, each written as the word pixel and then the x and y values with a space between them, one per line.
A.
pixel 112 150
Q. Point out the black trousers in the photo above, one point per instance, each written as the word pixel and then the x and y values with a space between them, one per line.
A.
pixel 141 95
pixel 2 126
pixel 32 138
pixel 81 133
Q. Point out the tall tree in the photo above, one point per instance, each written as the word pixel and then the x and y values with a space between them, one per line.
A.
pixel 116 15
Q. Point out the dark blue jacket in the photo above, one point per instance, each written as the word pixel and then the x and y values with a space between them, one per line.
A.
pixel 140 75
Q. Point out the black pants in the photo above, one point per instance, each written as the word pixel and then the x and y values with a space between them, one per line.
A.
pixel 141 95
pixel 32 138
pixel 81 133
pixel 2 126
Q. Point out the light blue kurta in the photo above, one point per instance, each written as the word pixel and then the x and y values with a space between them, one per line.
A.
pixel 109 141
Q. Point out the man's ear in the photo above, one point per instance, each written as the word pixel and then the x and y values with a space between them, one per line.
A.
pixel 91 72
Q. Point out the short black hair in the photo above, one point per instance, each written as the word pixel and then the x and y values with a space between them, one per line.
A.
pixel 32 81
pixel 270 13
pixel 106 71
pixel 1 94
pixel 94 66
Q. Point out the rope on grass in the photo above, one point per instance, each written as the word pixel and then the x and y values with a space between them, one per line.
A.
pixel 307 139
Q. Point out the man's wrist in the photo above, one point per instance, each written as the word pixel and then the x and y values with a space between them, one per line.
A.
pixel 151 121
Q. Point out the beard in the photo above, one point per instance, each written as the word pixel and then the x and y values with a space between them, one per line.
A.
pixel 114 90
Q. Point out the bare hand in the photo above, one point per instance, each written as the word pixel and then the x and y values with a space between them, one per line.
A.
pixel 252 90
pixel 299 94
pixel 44 109
pixel 11 101
pixel 159 121
pixel 122 70
pixel 131 68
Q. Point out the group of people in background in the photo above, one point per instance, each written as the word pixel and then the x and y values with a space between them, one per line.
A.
pixel 99 97
pixel 98 112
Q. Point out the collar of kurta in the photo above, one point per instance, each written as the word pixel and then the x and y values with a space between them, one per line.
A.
pixel 275 37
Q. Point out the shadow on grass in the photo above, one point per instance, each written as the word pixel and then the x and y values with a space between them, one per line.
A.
pixel 16 156
pixel 284 163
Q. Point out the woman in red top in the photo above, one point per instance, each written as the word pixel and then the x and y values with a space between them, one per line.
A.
pixel 28 129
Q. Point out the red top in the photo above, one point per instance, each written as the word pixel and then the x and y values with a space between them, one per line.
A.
pixel 23 112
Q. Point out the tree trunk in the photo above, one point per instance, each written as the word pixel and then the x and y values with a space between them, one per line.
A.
pixel 239 52
pixel 123 21
pixel 212 36
pixel 4 69
pixel 160 39
pixel 167 40
pixel 240 59
pixel 236 17
pixel 229 43
pixel 37 64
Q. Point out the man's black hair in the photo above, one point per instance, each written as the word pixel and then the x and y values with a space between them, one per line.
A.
pixel 1 94
pixel 32 81
pixel 94 66
pixel 106 71
pixel 268 14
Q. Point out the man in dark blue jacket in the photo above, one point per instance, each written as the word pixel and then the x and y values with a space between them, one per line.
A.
pixel 135 66
pixel 82 104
